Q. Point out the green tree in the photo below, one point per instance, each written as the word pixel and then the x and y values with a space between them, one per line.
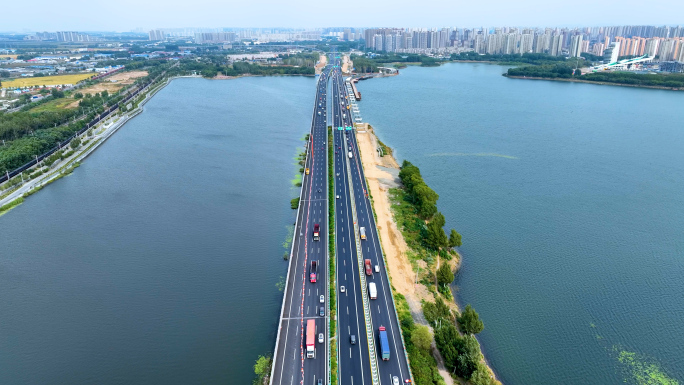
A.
pixel 444 275
pixel 446 338
pixel 262 368
pixel 421 337
pixel 434 235
pixel 481 376
pixel 468 356
pixel 75 143
pixel 469 321
pixel 454 239
pixel 78 95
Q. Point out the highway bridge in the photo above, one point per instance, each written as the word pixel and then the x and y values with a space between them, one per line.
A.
pixel 358 316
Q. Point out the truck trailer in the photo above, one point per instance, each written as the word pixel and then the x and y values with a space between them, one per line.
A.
pixel 384 344
pixel 311 338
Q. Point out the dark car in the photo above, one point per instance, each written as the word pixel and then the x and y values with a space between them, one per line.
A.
pixel 321 311
pixel 352 339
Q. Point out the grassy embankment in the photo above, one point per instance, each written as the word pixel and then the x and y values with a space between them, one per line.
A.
pixel 415 212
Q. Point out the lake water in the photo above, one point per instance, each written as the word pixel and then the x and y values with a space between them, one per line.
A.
pixel 570 200
pixel 156 262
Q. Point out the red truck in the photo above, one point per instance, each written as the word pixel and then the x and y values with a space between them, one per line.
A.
pixel 316 232
pixel 314 268
pixel 369 271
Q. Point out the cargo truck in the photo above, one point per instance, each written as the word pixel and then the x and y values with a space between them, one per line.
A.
pixel 369 271
pixel 372 291
pixel 314 268
pixel 384 344
pixel 362 230
pixel 311 338
pixel 316 232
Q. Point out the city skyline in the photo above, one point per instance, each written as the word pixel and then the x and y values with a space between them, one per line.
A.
pixel 129 15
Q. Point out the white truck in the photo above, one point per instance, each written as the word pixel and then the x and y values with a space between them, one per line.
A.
pixel 350 155
pixel 372 290
pixel 362 230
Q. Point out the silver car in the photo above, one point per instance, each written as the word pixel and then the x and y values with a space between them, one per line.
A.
pixel 322 299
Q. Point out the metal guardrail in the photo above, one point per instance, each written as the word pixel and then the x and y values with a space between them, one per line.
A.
pixel 382 252
pixel 370 331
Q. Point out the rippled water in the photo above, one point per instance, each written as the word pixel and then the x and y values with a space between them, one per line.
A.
pixel 570 200
pixel 156 262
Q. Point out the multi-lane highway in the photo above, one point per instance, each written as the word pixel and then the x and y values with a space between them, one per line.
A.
pixel 358 316
pixel 354 358
pixel 303 298
pixel 382 308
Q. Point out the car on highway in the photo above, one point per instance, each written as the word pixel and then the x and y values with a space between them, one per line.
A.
pixel 338 174
pixel 320 382
pixel 321 339
pixel 377 268
pixel 352 339
pixel 342 289
pixel 395 380
pixel 321 311
pixel 322 299
pixel 338 197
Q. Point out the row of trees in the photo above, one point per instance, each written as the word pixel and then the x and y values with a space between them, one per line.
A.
pixel 529 58
pixel 209 69
pixel 544 71
pixel 424 199
pixel 460 350
pixel 567 71
pixel 658 80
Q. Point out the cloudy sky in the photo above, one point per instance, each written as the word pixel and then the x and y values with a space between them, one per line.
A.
pixel 126 15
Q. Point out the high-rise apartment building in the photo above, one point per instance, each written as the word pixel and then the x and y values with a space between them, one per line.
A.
pixel 157 34
pixel 556 45
pixel 575 46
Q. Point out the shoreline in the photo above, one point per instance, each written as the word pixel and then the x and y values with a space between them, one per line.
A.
pixel 382 175
pixel 105 130
pixel 574 80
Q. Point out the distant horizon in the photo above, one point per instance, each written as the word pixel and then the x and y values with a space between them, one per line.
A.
pixel 127 15
pixel 140 30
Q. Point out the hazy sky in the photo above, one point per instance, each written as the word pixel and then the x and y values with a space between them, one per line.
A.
pixel 125 15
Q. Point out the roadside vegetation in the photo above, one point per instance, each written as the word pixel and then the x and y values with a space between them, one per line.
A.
pixel 415 210
pixel 262 369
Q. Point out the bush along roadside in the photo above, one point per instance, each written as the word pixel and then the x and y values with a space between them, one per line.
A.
pixel 262 369
pixel 414 207
pixel 331 260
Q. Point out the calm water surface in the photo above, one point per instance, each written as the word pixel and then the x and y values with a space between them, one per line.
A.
pixel 156 262
pixel 570 200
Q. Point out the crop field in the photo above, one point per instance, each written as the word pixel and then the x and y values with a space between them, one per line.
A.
pixel 46 80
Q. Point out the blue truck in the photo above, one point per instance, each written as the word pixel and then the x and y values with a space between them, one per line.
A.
pixel 384 344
